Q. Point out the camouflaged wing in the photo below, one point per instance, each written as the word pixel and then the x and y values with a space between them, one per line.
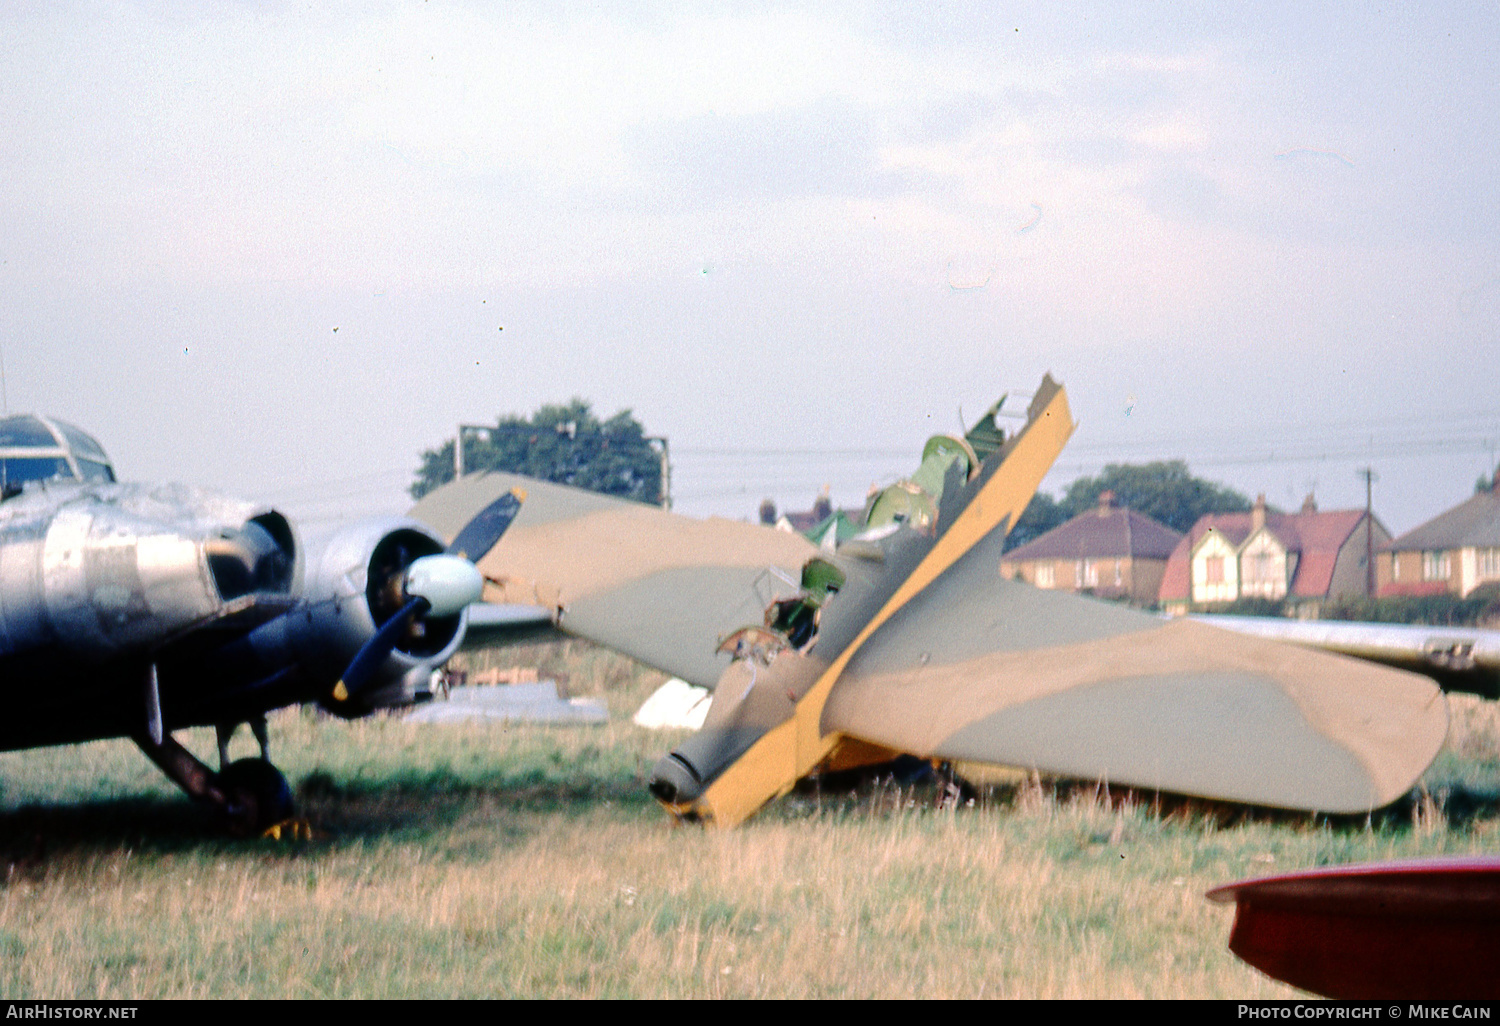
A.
pixel 657 586
pixel 983 669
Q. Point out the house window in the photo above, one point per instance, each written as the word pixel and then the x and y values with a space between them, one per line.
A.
pixel 1395 566
pixel 1091 573
pixel 1045 577
pixel 1117 574
pixel 1260 567
pixel 1214 565
pixel 1078 574
pixel 1435 566
pixel 1489 562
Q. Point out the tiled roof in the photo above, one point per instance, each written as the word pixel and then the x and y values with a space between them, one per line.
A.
pixel 1314 573
pixel 1325 532
pixel 1101 533
pixel 1177 579
pixel 1475 521
pixel 1316 537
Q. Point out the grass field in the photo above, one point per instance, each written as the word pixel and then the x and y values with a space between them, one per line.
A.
pixel 478 861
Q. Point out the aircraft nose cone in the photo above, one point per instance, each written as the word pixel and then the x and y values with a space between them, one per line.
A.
pixel 448 583
pixel 673 781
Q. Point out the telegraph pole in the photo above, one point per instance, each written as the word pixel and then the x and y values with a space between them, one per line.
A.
pixel 482 430
pixel 659 442
pixel 1368 473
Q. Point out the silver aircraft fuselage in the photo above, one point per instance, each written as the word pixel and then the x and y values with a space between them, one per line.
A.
pixel 219 601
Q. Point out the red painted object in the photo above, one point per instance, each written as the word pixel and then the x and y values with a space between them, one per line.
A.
pixel 1418 929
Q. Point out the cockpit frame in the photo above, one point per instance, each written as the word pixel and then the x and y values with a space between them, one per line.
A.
pixel 37 448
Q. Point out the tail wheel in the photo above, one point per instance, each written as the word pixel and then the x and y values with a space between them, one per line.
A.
pixel 258 795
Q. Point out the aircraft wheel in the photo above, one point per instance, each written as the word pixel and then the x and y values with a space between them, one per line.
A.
pixel 258 796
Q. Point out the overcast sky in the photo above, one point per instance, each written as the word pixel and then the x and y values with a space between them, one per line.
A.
pixel 281 249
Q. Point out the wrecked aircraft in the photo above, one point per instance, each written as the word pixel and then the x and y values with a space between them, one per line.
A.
pixel 906 640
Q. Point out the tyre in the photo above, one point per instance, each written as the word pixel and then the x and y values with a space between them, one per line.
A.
pixel 258 796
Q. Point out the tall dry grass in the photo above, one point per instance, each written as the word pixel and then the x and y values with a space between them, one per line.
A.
pixel 486 861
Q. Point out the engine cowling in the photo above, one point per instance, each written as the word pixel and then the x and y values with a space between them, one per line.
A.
pixel 96 571
pixel 353 583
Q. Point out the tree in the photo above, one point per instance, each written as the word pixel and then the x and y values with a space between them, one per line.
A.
pixel 1041 515
pixel 1163 491
pixel 566 444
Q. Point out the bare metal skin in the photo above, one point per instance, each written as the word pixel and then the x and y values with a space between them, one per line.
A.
pixel 134 610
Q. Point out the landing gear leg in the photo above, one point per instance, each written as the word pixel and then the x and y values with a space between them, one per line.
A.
pixel 953 790
pixel 225 731
pixel 250 795
pixel 258 728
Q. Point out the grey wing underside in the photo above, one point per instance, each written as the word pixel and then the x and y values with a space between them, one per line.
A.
pixel 493 626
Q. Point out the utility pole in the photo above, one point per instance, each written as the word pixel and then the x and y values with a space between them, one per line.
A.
pixel 482 430
pixel 1368 473
pixel 659 443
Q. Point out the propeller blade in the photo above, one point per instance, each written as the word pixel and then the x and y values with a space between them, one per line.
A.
pixel 374 651
pixel 481 534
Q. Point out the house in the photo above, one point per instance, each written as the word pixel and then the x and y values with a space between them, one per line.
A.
pixel 1110 551
pixel 823 525
pixel 1454 552
pixel 797 523
pixel 1304 558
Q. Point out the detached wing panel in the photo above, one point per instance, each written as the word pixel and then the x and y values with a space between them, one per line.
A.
pixel 1458 658
pixel 979 668
pixel 654 585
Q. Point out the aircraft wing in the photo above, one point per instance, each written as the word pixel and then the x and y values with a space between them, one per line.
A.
pixel 1458 658
pixel 983 669
pixel 659 587
pixel 492 625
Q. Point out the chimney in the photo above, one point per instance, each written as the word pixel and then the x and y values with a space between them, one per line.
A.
pixel 768 511
pixel 1309 504
pixel 823 507
pixel 1258 513
pixel 1106 502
